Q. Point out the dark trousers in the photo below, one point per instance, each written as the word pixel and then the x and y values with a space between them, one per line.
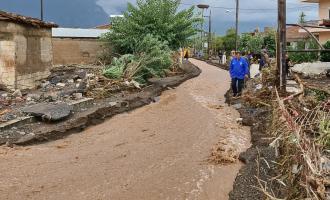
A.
pixel 237 86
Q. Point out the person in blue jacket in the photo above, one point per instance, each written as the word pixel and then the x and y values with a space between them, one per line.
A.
pixel 239 70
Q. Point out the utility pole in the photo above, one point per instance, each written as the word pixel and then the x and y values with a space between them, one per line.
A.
pixel 209 39
pixel 237 18
pixel 41 10
pixel 281 45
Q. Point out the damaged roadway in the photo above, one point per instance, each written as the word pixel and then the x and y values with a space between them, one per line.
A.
pixel 159 151
pixel 73 121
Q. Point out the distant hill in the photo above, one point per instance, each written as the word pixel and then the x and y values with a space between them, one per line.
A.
pixel 66 13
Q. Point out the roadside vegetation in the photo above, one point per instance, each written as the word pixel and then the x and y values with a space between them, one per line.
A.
pixel 146 38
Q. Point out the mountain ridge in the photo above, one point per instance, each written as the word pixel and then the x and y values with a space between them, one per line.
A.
pixel 65 13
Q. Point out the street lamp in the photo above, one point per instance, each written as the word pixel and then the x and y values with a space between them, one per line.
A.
pixel 203 7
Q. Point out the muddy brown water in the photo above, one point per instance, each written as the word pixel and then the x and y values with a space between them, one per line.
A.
pixel 155 152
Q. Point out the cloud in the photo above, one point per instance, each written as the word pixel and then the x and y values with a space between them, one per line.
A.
pixel 253 13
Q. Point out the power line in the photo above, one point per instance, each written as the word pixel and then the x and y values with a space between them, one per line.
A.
pixel 252 9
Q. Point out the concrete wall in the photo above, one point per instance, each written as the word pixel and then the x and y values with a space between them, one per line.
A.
pixel 25 55
pixel 76 50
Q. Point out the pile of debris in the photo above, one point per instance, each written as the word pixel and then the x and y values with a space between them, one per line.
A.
pixel 65 84
pixel 301 125
pixel 299 134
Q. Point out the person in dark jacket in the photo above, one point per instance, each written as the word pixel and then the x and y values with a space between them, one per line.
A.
pixel 220 54
pixel 239 70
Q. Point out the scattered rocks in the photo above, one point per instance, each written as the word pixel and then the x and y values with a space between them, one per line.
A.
pixel 21 132
pixel 81 74
pixel 112 104
pixel 239 120
pixel 17 93
pixel 33 96
pixel 237 106
pixel 4 95
pixel 7 117
pixel 156 99
pixel 45 84
pixel 55 80
pixel 60 84
pixel 78 96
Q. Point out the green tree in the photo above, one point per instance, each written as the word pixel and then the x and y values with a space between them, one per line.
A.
pixel 325 56
pixel 270 42
pixel 256 43
pixel 302 18
pixel 160 18
pixel 245 42
pixel 229 40
pixel 218 43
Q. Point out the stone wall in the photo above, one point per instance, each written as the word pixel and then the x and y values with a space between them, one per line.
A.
pixel 26 55
pixel 76 50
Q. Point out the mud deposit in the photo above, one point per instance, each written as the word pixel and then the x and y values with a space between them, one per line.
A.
pixel 158 151
pixel 96 112
pixel 259 167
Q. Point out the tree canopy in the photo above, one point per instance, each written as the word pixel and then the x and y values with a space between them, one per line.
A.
pixel 159 18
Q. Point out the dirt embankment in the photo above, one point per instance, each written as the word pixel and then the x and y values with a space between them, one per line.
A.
pixel 96 112
pixel 254 178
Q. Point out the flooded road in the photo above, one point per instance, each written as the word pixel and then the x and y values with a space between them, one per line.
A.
pixel 159 151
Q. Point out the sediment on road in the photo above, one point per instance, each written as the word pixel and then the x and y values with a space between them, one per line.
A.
pixel 255 179
pixel 97 111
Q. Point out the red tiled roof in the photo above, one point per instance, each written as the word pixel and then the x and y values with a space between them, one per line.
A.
pixel 293 34
pixel 11 17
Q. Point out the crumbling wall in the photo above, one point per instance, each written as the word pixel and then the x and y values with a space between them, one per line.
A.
pixel 76 50
pixel 25 55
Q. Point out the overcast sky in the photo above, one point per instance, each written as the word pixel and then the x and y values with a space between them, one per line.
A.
pixel 254 13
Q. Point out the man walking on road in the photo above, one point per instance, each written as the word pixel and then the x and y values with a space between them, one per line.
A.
pixel 239 70
pixel 220 54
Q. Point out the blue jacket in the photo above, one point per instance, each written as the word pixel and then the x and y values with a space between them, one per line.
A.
pixel 239 68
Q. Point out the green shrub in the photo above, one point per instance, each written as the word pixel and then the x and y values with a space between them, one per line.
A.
pixel 151 59
pixel 117 67
pixel 301 57
pixel 325 56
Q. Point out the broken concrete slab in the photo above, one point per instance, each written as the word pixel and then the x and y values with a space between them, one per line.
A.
pixel 49 111
pixel 16 122
pixel 81 103
pixel 312 69
pixel 25 138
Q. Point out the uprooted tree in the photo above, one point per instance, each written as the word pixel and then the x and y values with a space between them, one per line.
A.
pixel 148 32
